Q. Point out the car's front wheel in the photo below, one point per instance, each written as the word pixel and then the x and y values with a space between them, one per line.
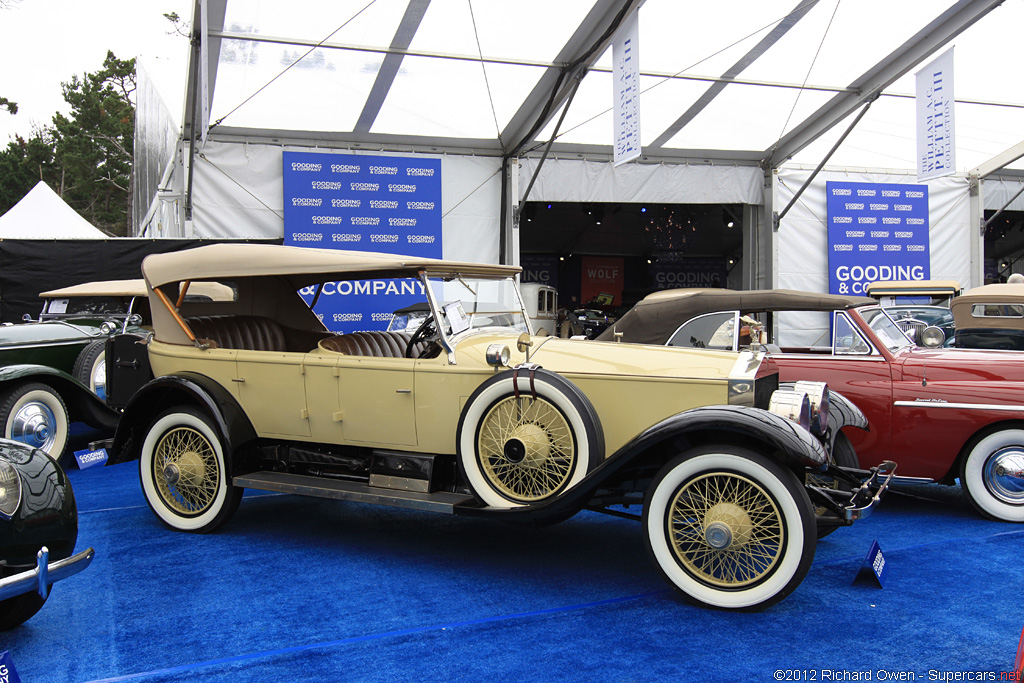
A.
pixel 183 472
pixel 34 414
pixel 992 475
pixel 729 528
pixel 526 437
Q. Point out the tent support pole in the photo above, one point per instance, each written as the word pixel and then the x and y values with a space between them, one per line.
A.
pixel 777 218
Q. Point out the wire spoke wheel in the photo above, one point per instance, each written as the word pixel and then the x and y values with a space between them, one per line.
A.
pixel 526 448
pixel 726 530
pixel 186 471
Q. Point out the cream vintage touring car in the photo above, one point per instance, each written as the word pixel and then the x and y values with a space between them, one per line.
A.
pixel 469 414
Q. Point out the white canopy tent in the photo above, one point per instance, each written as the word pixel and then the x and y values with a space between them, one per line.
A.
pixel 501 91
pixel 43 215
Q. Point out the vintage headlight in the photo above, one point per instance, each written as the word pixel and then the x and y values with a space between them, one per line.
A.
pixel 10 490
pixel 817 394
pixel 108 327
pixel 932 337
pixel 498 355
pixel 792 405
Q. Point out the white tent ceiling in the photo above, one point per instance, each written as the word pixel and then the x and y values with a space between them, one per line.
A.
pixel 744 81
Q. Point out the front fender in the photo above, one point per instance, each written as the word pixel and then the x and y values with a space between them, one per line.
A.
pixel 786 441
pixel 83 405
pixel 47 514
pixel 184 389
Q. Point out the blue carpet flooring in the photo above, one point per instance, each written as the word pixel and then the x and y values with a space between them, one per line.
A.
pixel 298 589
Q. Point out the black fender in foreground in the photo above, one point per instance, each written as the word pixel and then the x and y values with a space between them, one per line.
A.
pixel 777 437
pixel 82 404
pixel 183 389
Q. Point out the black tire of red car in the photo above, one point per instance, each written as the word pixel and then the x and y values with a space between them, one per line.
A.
pixel 843 455
pixel 729 528
pixel 34 414
pixel 19 609
pixel 183 473
pixel 991 475
pixel 526 447
pixel 88 363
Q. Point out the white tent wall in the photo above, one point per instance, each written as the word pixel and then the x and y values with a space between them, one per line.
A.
pixel 800 247
pixel 569 180
pixel 238 193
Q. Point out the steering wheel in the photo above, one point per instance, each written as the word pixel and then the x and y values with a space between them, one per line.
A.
pixel 425 331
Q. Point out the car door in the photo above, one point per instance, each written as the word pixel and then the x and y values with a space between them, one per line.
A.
pixel 272 391
pixel 376 400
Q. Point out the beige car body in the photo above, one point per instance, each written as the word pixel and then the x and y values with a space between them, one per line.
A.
pixel 471 414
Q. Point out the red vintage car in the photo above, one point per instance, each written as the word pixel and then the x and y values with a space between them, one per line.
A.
pixel 939 413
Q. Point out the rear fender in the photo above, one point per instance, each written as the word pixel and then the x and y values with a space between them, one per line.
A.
pixel 184 389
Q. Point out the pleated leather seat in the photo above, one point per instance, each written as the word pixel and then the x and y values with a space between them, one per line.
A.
pixel 252 332
pixel 375 343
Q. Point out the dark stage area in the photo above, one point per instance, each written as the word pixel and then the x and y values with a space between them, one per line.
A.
pixel 299 589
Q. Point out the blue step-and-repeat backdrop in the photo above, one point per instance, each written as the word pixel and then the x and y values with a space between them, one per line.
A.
pixel 876 231
pixel 362 203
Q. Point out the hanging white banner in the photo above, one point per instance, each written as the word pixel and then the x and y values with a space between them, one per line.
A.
pixel 936 145
pixel 626 90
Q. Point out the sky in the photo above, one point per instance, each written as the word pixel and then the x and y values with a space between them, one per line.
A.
pixel 43 43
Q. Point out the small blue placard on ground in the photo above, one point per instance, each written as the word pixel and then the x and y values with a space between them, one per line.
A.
pixel 874 567
pixel 8 674
pixel 87 458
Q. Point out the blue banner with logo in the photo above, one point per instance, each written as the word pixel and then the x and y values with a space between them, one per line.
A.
pixel 876 231
pixel 689 272
pixel 542 268
pixel 362 203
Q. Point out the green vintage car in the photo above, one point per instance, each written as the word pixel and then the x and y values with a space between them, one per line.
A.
pixel 53 370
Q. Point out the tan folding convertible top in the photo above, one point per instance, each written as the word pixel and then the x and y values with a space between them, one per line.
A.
pixel 910 287
pixel 1006 299
pixel 135 287
pixel 225 261
pixel 659 314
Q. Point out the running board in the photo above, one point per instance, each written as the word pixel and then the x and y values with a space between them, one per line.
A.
pixel 337 489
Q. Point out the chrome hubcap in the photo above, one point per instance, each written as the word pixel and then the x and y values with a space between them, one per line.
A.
pixel 34 425
pixel 718 535
pixel 1004 475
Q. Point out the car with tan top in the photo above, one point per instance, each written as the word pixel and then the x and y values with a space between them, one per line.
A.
pixel 471 414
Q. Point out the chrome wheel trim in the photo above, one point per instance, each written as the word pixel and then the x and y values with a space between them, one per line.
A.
pixel 186 471
pixel 526 448
pixel 703 507
pixel 35 425
pixel 1003 475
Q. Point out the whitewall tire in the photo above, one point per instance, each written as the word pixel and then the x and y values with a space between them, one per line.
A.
pixel 183 473
pixel 992 475
pixel 520 449
pixel 34 414
pixel 729 528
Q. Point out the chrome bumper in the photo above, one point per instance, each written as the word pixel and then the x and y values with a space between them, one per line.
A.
pixel 45 574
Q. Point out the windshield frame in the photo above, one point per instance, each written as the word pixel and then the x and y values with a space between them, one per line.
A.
pixel 446 338
pixel 881 324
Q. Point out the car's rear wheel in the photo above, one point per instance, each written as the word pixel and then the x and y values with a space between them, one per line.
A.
pixel 528 439
pixel 34 414
pixel 729 528
pixel 183 472
pixel 91 367
pixel 992 475
pixel 19 609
